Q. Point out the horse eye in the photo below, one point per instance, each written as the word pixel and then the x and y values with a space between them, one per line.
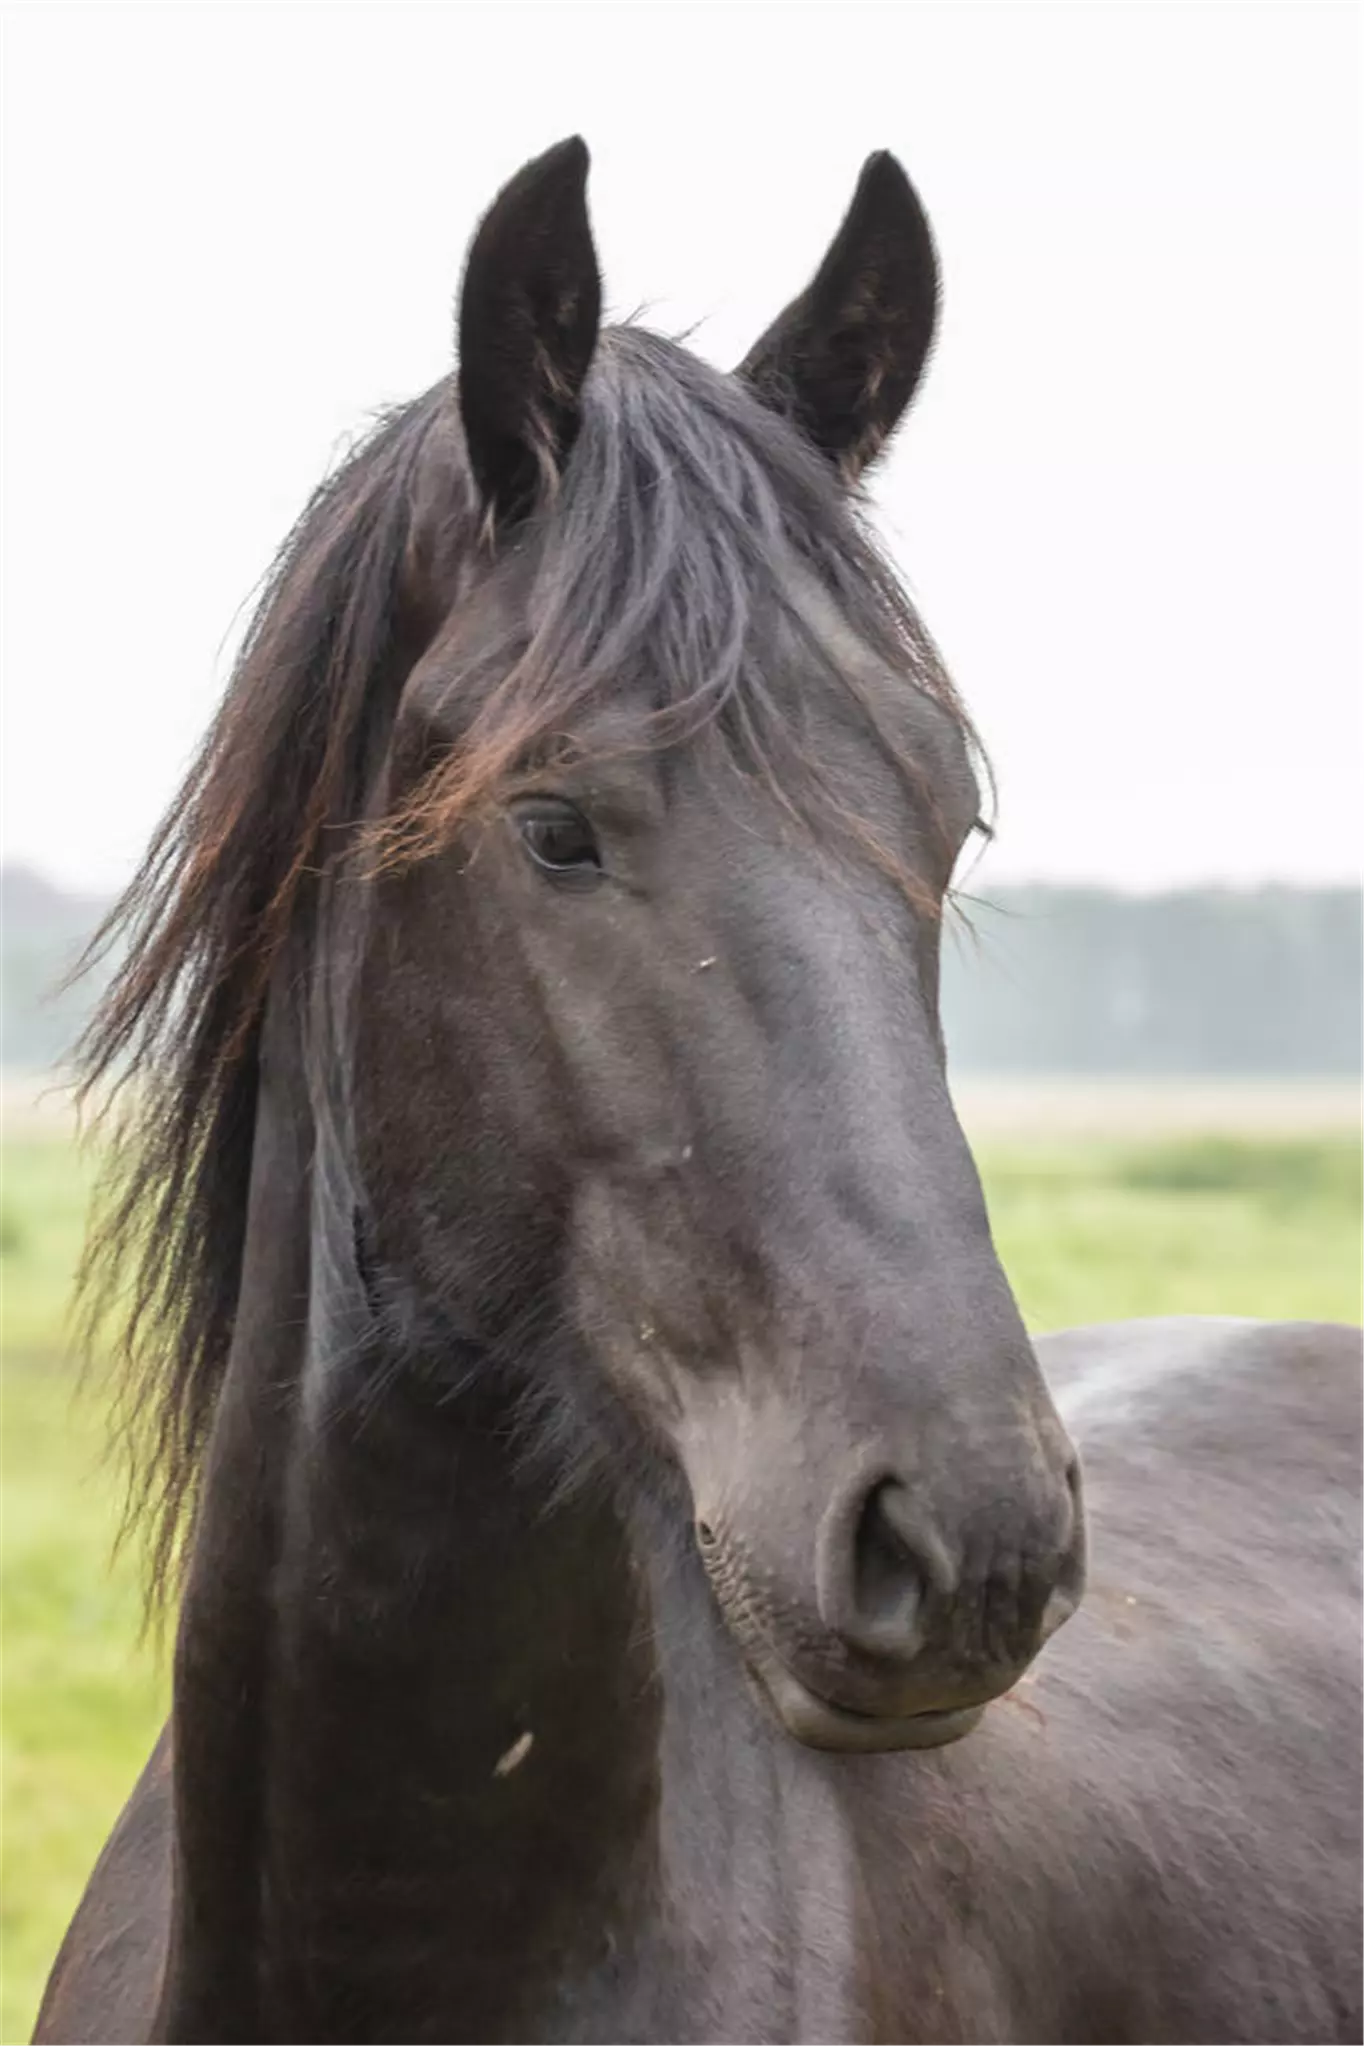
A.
pixel 559 838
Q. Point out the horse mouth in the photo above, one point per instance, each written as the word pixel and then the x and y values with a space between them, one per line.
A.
pixel 838 1729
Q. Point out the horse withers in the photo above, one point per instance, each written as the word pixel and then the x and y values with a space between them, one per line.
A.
pixel 618 1506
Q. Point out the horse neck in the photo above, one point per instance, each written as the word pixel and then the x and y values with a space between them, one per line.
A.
pixel 416 1712
pixel 461 1707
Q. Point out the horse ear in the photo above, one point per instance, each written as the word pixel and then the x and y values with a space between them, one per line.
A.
pixel 845 358
pixel 529 311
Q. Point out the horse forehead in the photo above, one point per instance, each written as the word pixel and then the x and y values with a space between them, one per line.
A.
pixel 927 726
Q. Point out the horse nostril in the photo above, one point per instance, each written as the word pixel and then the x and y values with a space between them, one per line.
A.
pixel 888 1576
pixel 1062 1602
pixel 1071 1575
pixel 1067 1587
pixel 705 1535
pixel 1071 1525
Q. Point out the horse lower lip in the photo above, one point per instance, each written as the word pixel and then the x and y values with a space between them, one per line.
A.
pixel 816 1723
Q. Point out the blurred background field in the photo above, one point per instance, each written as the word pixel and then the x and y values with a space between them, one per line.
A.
pixel 1109 1199
pixel 1155 1030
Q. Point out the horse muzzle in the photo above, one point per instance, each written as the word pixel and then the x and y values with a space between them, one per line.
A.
pixel 889 1624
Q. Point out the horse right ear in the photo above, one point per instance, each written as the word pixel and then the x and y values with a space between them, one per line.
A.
pixel 529 312
pixel 845 358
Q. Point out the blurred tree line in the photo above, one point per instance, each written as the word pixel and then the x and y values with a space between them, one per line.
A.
pixel 1035 979
pixel 43 931
pixel 1203 980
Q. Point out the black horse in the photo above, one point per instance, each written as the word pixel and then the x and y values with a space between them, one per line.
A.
pixel 619 1504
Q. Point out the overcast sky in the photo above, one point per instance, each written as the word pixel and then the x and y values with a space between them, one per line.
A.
pixel 1128 501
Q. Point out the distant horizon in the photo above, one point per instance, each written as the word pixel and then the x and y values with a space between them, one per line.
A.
pixel 970 887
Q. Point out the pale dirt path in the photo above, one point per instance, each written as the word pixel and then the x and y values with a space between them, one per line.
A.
pixel 991 1109
pixel 999 1109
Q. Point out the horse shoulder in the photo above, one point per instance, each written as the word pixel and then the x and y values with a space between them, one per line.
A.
pixel 106 1979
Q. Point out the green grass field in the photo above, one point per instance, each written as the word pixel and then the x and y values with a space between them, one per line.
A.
pixel 1094 1224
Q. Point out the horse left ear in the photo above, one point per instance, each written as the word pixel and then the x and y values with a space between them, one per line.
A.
pixel 529 311
pixel 845 358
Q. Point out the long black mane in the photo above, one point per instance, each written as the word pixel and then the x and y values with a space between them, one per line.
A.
pixel 665 556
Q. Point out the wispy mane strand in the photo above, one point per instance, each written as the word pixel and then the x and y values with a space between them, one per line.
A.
pixel 170 1057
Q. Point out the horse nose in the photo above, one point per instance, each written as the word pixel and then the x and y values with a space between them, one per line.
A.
pixel 888 1582
pixel 878 1566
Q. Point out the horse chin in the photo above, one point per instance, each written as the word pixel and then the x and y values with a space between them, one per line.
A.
pixel 817 1723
